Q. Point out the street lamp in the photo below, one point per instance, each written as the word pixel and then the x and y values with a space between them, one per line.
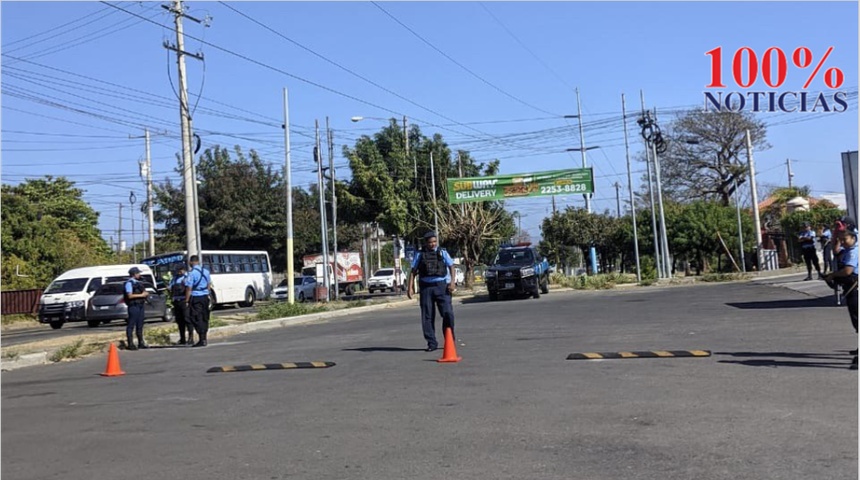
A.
pixel 359 118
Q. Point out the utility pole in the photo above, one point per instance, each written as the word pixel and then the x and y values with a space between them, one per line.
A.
pixel 460 169
pixel 553 204
pixel 756 219
pixel 657 260
pixel 191 227
pixel 406 145
pixel 582 147
pixel 146 173
pixel 131 200
pixel 378 247
pixel 291 280
pixel 617 200
pixel 323 222
pixel 790 175
pixel 630 190
pixel 119 238
pixel 330 136
pixel 433 185
pixel 663 235
pixel 366 252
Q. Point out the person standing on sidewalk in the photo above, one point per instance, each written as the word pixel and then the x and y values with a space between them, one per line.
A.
pixel 436 277
pixel 827 249
pixel 135 297
pixel 180 307
pixel 847 276
pixel 807 245
pixel 197 284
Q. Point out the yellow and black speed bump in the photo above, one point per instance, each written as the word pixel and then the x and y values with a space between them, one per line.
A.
pixel 646 354
pixel 270 366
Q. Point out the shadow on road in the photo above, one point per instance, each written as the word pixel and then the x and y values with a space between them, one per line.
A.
pixel 796 303
pixel 382 349
pixel 829 360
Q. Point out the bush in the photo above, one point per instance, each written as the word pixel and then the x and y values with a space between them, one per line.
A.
pixel 75 350
pixel 285 309
pixel 594 282
pixel 723 277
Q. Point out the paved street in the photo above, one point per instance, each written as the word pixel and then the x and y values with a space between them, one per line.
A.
pixel 775 401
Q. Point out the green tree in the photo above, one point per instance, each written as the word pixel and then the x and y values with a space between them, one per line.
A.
pixel 47 229
pixel 242 206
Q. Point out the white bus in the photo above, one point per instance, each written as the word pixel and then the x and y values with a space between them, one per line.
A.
pixel 237 276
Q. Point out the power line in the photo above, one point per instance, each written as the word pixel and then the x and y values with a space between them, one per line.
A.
pixel 482 79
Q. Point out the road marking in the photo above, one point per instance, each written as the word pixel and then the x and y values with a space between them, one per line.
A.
pixel 642 354
pixel 269 366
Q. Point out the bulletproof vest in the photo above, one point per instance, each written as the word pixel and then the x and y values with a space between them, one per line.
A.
pixel 136 287
pixel 178 288
pixel 432 264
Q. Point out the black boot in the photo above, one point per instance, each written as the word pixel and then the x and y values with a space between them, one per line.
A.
pixel 140 343
pixel 129 344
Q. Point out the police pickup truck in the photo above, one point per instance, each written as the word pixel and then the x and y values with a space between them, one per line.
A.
pixel 517 270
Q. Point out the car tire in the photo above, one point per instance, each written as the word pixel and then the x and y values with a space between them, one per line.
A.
pixel 250 298
pixel 370 290
pixel 93 323
pixel 536 293
pixel 168 315
pixel 212 301
pixel 494 296
pixel 544 286
pixel 56 324
pixel 302 297
pixel 349 290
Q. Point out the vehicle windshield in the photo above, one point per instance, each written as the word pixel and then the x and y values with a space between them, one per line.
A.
pixel 67 286
pixel 111 289
pixel 385 272
pixel 515 257
pixel 284 283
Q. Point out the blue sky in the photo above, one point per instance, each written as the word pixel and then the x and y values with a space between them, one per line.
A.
pixel 530 56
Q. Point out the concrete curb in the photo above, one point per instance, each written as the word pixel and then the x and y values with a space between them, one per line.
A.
pixel 263 325
pixel 28 360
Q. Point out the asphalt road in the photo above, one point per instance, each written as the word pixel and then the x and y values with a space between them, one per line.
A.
pixel 775 401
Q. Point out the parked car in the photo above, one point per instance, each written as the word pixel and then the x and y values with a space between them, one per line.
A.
pixel 385 279
pixel 108 303
pixel 67 297
pixel 304 289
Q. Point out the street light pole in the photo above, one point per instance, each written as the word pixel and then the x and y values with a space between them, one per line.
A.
pixel 630 190
pixel 291 281
pixel 756 218
pixel 582 147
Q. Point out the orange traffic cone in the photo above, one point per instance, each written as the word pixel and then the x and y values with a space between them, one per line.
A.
pixel 113 369
pixel 449 355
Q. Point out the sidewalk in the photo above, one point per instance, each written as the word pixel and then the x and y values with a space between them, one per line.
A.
pixel 794 281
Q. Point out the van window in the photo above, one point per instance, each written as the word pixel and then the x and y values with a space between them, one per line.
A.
pixel 94 285
pixel 67 286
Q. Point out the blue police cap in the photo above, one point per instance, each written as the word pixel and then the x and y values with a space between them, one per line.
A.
pixel 133 270
pixel 430 234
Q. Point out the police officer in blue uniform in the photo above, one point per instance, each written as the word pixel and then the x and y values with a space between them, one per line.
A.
pixel 197 284
pixel 847 276
pixel 180 307
pixel 436 283
pixel 807 246
pixel 135 297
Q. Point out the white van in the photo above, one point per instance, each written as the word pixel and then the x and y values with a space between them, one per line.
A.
pixel 65 299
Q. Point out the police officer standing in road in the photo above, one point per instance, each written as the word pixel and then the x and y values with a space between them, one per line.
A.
pixel 197 284
pixel 436 283
pixel 847 276
pixel 135 297
pixel 180 307
pixel 827 249
pixel 807 245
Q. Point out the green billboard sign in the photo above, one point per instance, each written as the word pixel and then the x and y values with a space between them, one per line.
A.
pixel 504 187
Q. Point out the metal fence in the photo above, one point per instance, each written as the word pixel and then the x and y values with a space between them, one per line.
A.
pixel 20 301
